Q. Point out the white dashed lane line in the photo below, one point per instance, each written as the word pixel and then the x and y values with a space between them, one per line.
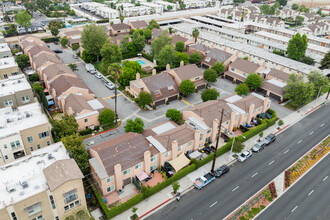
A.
pixel 235 188
pixel 299 141
pixel 311 133
pixel 271 162
pixel 254 174
pixel 294 209
pixel 286 151
pixel 325 178
pixel 213 204
pixel 322 125
pixel 310 192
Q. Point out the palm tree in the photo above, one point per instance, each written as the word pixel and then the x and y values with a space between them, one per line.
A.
pixel 115 70
pixel 195 34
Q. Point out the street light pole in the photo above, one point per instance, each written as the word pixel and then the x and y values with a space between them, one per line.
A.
pixel 217 144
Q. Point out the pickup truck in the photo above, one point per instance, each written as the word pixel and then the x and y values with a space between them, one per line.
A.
pixel 204 180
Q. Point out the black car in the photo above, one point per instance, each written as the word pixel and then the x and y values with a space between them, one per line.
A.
pixel 56 42
pixel 58 51
pixel 270 139
pixel 221 170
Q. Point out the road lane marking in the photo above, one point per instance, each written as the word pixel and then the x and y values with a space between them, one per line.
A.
pixel 213 204
pixel 322 125
pixel 299 141
pixel 294 209
pixel 111 96
pixel 254 174
pixel 325 178
pixel 286 151
pixel 235 188
pixel 311 133
pixel 185 102
pixel 271 162
pixel 310 192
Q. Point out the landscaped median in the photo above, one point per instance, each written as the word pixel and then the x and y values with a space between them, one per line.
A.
pixel 110 213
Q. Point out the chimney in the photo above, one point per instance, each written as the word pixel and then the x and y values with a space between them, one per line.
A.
pixel 168 67
pixel 138 76
pixel 181 63
pixel 154 72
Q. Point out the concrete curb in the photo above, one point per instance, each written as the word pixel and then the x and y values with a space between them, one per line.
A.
pixel 154 209
pixel 282 129
pixel 105 131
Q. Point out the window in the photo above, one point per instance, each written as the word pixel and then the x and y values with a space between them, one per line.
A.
pixel 48 143
pixel 30 139
pixel 56 218
pixel 43 134
pixel 70 196
pixel 209 131
pixel 38 218
pixel 5 76
pixel 33 209
pixel 5 146
pixel 201 138
pixel 12 144
pixel 254 111
pixel 153 167
pixel 167 154
pixel 38 146
pixel 13 215
pixel 111 188
pixel 6 157
pixel 51 198
pixel 197 78
pixel 8 102
pixel 157 92
pixel 244 74
pixel 127 171
pixel 31 148
pixel 25 99
pixel 232 69
pixel 170 87
pixel 226 123
pixel 189 143
pixel 179 148
pixel 71 205
pixel 153 159
pixel 86 120
pixel 110 179
pixel 18 144
pixel 14 74
pixel 138 166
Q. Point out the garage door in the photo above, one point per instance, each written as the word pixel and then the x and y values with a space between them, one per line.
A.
pixel 127 181
pixel 205 66
pixel 277 97
pixel 262 91
pixel 160 102
pixel 201 87
pixel 229 78
pixel 238 81
pixel 173 98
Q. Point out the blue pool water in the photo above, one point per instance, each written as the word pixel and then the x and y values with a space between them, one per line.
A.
pixel 141 62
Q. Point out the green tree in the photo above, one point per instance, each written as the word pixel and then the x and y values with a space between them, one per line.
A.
pixel 297 47
pixel 179 46
pixel 124 42
pixel 138 40
pixel 56 24
pixel 175 187
pixel 218 67
pixel 182 6
pixel 210 75
pixel 303 8
pixel 43 4
pixel 209 94
pixel 253 81
pixel 147 34
pixel 298 91
pixel 74 144
pixel 299 20
pixel 153 24
pixel 242 89
pixel 64 41
pixel 110 53
pixel 195 34
pixel 31 7
pixel 66 126
pixel 54 31
pixel 159 43
pixel 238 146
pixel 73 66
pixel 23 61
pixel 144 99
pixel 72 12
pixel 187 87
pixel 265 9
pixel 115 70
pixel 173 114
pixel 181 57
pixel 12 30
pixel 135 126
pixel 34 77
pixel 93 38
pixel 23 18
pixel 169 7
pixel 37 87
pixel 319 11
pixel 282 2
pixel 195 57
pixel 325 62
pixel 294 6
pixel 6 18
pixel 107 117
pixel 127 76
pixel 75 47
pixel 307 60
pixel 167 56
pixel 318 80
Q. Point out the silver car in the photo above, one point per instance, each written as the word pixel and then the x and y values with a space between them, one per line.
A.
pixel 98 75
pixel 110 85
pixel 244 156
pixel 259 146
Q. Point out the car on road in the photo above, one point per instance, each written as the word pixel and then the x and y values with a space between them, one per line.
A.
pixel 204 180
pixel 109 85
pixel 58 51
pixel 75 56
pixel 98 75
pixel 270 139
pixel 244 156
pixel 221 170
pixel 259 146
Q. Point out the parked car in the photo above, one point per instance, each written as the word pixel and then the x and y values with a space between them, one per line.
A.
pixel 98 75
pixel 204 180
pixel 221 170
pixel 56 42
pixel 244 156
pixel 270 139
pixel 58 51
pixel 205 149
pixel 259 146
pixel 75 56
pixel 110 85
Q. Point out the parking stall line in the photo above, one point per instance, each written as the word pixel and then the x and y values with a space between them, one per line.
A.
pixel 325 178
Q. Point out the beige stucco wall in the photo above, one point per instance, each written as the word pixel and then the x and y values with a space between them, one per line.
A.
pixel 9 71
pixel 17 98
pixel 92 120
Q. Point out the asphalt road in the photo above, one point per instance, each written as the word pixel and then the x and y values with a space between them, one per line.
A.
pixel 308 199
pixel 245 179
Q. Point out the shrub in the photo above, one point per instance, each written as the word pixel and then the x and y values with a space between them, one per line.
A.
pixel 173 114
pixel 280 122
pixel 308 60
pixel 130 55
pixel 50 39
pixel 278 52
pixel 147 56
pixel 102 21
pixel 86 132
pixel 34 77
pixel 96 128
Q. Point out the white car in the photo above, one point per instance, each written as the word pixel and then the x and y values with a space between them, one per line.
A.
pixel 110 85
pixel 98 75
pixel 244 156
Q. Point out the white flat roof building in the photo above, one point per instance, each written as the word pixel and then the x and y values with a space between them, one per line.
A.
pixel 107 12
pixel 7 63
pixel 13 84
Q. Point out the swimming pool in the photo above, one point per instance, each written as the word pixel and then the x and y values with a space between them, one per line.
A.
pixel 141 62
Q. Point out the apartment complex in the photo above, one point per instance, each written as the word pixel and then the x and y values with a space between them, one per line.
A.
pixel 44 185
pixel 5 51
pixel 23 130
pixel 8 67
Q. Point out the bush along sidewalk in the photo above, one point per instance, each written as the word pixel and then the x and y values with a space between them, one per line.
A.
pixel 110 213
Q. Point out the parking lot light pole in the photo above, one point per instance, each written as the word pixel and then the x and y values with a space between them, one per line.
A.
pixel 217 144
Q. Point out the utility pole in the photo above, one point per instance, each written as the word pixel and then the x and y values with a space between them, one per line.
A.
pixel 217 144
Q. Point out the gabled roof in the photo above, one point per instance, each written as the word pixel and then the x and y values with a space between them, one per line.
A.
pixel 177 38
pixel 156 32
pixel 139 24
pixel 120 26
pixel 187 71
pixel 45 57
pixel 279 74
pixel 200 47
pixel 215 55
pixel 244 65
pixel 77 102
pixel 56 69
pixel 72 33
pixel 63 83
pixel 60 172
pixel 35 50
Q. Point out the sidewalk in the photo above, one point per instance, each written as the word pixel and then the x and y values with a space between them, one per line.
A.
pixel 157 201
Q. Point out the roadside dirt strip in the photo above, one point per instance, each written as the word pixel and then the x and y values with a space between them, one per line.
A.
pixel 277 187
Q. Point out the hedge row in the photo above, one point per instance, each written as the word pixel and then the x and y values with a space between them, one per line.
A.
pixel 147 56
pixel 225 148
pixel 102 21
pixel 130 55
pixel 50 39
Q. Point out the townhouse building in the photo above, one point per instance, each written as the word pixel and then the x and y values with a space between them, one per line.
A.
pixel 74 37
pixel 117 29
pixel 40 186
pixel 138 24
pixel 15 91
pixel 215 55
pixel 23 130
pixel 5 51
pixel 8 67
pixel 28 41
